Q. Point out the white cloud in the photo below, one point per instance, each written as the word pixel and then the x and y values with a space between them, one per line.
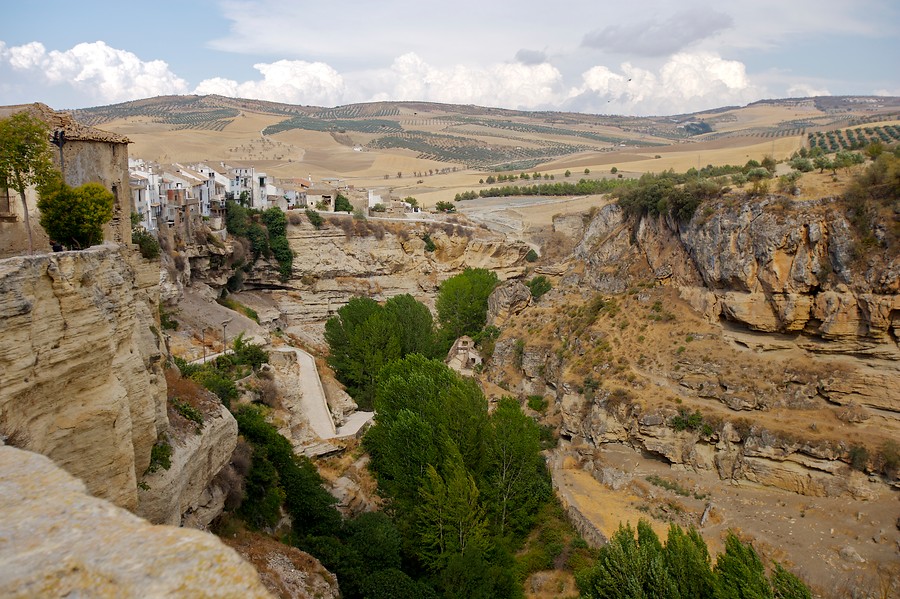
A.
pixel 510 85
pixel 289 81
pixel 805 90
pixel 687 82
pixel 96 70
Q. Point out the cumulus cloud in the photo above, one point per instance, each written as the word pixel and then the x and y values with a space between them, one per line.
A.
pixel 804 90
pixel 687 82
pixel 289 81
pixel 655 37
pixel 96 70
pixel 531 57
pixel 513 85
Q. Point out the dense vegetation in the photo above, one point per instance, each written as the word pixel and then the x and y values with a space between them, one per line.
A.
pixel 364 336
pixel 630 567
pixel 266 231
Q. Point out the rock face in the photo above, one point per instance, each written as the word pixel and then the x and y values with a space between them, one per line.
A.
pixel 507 300
pixel 58 541
pixel 183 494
pixel 753 454
pixel 81 376
pixel 756 266
pixel 331 267
pixel 768 270
pixel 286 571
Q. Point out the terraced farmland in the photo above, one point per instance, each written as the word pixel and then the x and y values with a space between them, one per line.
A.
pixel 309 123
pixel 472 152
pixel 853 139
pixel 183 112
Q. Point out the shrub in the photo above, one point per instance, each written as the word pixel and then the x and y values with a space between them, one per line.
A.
pixel 75 217
pixel 275 221
pixel 539 285
pixel 342 204
pixel 165 319
pixel 685 420
pixel 859 457
pixel 445 207
pixel 282 252
pixel 537 403
pixel 429 243
pixel 315 219
pixel 531 256
pixel 160 457
pixel 189 412
pixel 147 243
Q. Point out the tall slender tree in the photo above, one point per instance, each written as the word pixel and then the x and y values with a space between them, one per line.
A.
pixel 24 157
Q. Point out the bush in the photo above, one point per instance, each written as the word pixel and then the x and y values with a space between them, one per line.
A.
pixel 537 403
pixel 75 217
pixel 429 243
pixel 539 285
pixel 531 256
pixel 315 219
pixel 342 204
pixel 147 243
pixel 189 412
pixel 282 252
pixel 160 457
pixel 445 207
pixel 275 221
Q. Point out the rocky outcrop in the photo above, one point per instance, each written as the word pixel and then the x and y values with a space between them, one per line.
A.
pixel 506 301
pixel 58 541
pixel 286 571
pixel 81 376
pixel 331 267
pixel 753 263
pixel 183 494
pixel 753 454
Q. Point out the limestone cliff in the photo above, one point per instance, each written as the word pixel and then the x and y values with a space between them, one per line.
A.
pixel 80 364
pixel 58 541
pixel 757 265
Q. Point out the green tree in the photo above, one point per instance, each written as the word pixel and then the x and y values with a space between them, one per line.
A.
pixel 787 586
pixel 517 484
pixel 75 217
pixel 24 158
pixel 237 219
pixel 740 573
pixel 443 206
pixel 414 325
pixel 342 204
pixel 568 173
pixel 462 302
pixel 275 221
pixel 361 339
pixel 687 560
pixel 283 253
pixel 259 240
pixel 449 518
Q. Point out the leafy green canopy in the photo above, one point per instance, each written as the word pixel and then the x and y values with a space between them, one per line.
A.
pixel 465 487
pixel 462 302
pixel 637 568
pixel 24 157
pixel 364 336
pixel 75 217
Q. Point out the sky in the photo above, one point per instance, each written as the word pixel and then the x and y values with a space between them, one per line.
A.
pixel 630 57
